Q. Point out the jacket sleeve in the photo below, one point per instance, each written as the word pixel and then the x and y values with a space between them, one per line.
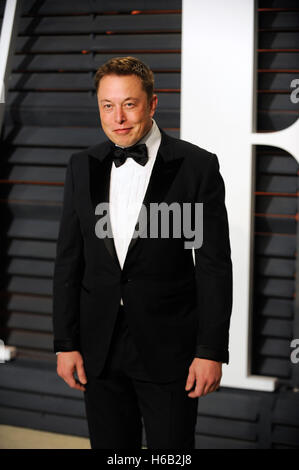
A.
pixel 68 271
pixel 213 269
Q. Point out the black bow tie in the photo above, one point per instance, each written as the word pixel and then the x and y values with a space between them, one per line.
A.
pixel 138 152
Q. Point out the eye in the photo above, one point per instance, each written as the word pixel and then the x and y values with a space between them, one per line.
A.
pixel 107 106
pixel 129 105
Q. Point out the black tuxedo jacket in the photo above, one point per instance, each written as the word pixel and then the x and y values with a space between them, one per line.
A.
pixel 176 309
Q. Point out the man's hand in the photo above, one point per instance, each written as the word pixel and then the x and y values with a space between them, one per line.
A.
pixel 67 363
pixel 207 375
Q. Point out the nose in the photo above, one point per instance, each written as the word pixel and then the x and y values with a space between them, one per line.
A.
pixel 119 115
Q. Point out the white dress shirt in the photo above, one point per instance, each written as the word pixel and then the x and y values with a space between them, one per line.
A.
pixel 128 185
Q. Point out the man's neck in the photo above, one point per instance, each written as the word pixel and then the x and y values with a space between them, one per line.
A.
pixel 147 133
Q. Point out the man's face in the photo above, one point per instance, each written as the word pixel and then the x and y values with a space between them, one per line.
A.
pixel 125 111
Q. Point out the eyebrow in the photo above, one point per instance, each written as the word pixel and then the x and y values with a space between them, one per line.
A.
pixel 126 99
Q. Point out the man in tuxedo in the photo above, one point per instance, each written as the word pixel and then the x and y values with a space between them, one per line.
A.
pixel 142 322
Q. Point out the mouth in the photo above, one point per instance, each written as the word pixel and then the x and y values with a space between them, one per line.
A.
pixel 123 131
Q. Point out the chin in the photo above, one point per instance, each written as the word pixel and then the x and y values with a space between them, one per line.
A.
pixel 123 141
pixel 127 142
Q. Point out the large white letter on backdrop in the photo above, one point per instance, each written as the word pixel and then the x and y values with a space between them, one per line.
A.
pixel 218 113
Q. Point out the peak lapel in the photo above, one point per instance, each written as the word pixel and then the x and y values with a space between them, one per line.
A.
pixel 99 177
pixel 163 174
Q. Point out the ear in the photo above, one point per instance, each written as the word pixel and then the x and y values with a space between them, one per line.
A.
pixel 153 105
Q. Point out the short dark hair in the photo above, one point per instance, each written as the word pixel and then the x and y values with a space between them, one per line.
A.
pixel 127 66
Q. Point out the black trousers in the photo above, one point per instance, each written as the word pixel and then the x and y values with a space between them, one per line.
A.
pixel 118 400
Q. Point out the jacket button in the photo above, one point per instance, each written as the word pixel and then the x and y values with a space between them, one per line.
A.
pixel 125 280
